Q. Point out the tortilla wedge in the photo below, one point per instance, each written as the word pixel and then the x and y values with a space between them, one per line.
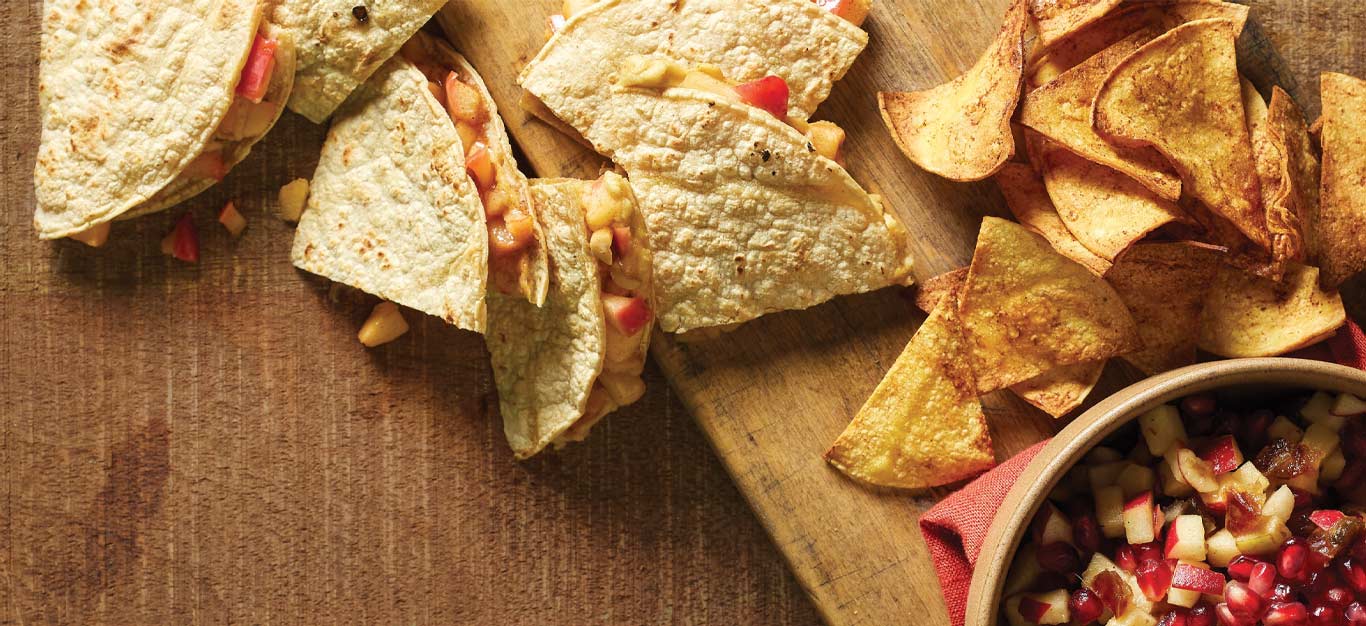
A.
pixel 1164 286
pixel 960 130
pixel 1295 191
pixel 1337 230
pixel 1029 202
pixel 557 367
pixel 923 426
pixel 1249 316
pixel 929 293
pixel 392 211
pixel 1060 390
pixel 1192 115
pixel 117 129
pixel 1027 309
pixel 341 43
pixel 1056 19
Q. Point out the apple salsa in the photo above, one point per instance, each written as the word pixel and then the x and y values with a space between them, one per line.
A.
pixel 249 116
pixel 1218 514
pixel 852 11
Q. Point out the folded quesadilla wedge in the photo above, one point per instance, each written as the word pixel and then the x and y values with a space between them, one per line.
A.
pixel 561 367
pixel 341 43
pixel 132 98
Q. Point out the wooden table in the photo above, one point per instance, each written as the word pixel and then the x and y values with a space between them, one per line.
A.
pixel 209 444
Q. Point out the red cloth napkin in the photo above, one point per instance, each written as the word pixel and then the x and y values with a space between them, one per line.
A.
pixel 954 528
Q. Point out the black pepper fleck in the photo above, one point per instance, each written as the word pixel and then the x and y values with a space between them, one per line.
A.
pixel 766 155
pixel 360 13
pixel 809 147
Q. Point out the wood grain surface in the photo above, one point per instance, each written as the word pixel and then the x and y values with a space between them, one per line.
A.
pixel 209 444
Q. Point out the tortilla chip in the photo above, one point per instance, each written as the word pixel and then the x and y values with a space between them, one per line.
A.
pixel 1337 232
pixel 799 41
pixel 1265 155
pixel 1180 93
pixel 1105 210
pixel 391 210
pixel 116 128
pixel 1060 390
pixel 338 51
pixel 1296 189
pixel 1061 111
pixel 1029 202
pixel 1056 19
pixel 930 293
pixel 1249 316
pixel 923 426
pixel 1164 286
pixel 1127 20
pixel 1027 309
pixel 961 130
pixel 546 359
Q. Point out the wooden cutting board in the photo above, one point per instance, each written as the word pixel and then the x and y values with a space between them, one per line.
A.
pixel 774 394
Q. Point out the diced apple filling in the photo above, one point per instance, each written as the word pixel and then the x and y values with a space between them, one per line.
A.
pixel 385 324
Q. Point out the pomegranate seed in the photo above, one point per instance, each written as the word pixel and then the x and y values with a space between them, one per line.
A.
pixel 1302 498
pixel 1198 405
pixel 1293 560
pixel 1058 557
pixel 1151 551
pixel 1243 601
pixel 1286 614
pixel 1176 617
pixel 1240 568
pixel 1325 616
pixel 1085 605
pixel 1355 614
pixel 1154 578
pixel 1226 616
pixel 1125 559
pixel 1201 615
pixel 1282 593
pixel 1048 581
pixel 1086 532
pixel 1263 579
pixel 1337 597
pixel 1353 573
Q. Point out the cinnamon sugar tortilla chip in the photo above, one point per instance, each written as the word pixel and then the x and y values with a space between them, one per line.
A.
pixel 929 293
pixel 1061 111
pixel 1164 286
pixel 1060 390
pixel 1296 189
pixel 1249 316
pixel 1105 210
pixel 1029 202
pixel 1180 93
pixel 1337 232
pixel 961 129
pixel 1056 19
pixel 923 426
pixel 1027 309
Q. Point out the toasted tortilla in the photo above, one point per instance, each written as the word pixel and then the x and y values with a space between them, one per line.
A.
pixel 124 113
pixel 337 51
pixel 1249 316
pixel 1060 390
pixel 1293 190
pixel 391 209
pixel 1028 200
pixel 1337 232
pixel 235 151
pixel 1164 286
pixel 961 129
pixel 923 426
pixel 796 40
pixel 1106 210
pixel 1181 94
pixel 1061 111
pixel 931 292
pixel 1056 19
pixel 1027 309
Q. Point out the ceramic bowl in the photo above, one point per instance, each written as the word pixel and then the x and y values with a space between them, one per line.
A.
pixel 1239 376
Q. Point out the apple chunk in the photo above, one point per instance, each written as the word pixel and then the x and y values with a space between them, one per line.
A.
pixel 1110 511
pixel 1221 548
pixel 1162 428
pixel 1138 519
pixel 1222 454
pixel 1186 539
pixel 1046 608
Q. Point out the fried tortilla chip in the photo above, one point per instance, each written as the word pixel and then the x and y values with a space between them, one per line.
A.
pixel 923 426
pixel 1061 111
pixel 1027 309
pixel 1249 316
pixel 1296 189
pixel 1105 210
pixel 1264 154
pixel 1029 202
pixel 931 292
pixel 1180 93
pixel 1164 286
pixel 1056 19
pixel 1337 232
pixel 961 130
pixel 1061 389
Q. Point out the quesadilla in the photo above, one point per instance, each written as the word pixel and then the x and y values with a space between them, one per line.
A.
pixel 341 43
pixel 561 367
pixel 134 124
pixel 394 210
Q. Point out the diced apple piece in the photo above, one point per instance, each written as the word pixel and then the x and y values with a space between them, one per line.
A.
pixel 853 11
pixel 255 78
pixel 1285 429
pixel 1169 476
pixel 1186 539
pixel 479 165
pixel 1321 440
pixel 95 236
pixel 385 324
pixel 1319 406
pixel 1249 480
pixel 827 138
pixel 769 93
pixel 627 315
pixel 1222 454
pixel 1138 519
pixel 232 219
pixel 1162 428
pixel 1198 474
pixel 1135 479
pixel 1046 608
pixel 1024 571
pixel 293 198
pixel 1191 581
pixel 1326 518
pixel 1138 603
pixel 1280 504
pixel 1308 481
pixel 183 240
pixel 1221 548
pixel 1348 405
pixel 1110 511
pixel 1264 540
pixel 1051 526
pixel 1331 468
pixel 622 388
pixel 1011 608
pixel 1100 455
pixel 1105 474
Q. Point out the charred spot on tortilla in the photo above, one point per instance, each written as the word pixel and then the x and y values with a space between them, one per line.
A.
pixel 361 14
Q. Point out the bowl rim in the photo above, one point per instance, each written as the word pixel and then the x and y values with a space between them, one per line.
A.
pixel 1093 426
